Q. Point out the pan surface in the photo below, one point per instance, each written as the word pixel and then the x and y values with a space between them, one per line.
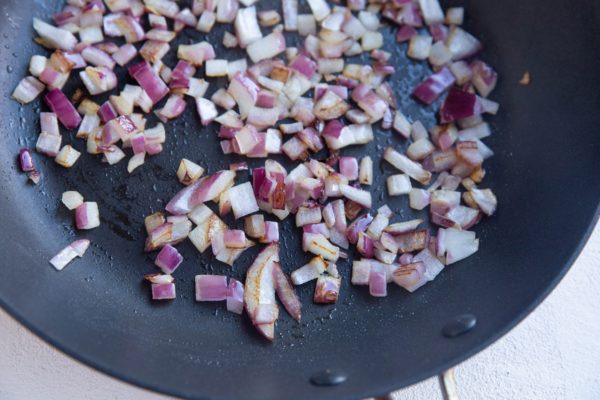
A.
pixel 546 173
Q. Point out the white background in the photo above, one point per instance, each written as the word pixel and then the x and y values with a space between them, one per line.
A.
pixel 553 354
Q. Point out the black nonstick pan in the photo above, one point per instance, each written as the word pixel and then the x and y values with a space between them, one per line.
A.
pixel 546 174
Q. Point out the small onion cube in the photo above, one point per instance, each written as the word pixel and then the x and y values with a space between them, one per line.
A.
pixel 320 246
pixel 361 270
pixel 461 43
pixel 26 160
pixel 235 296
pixel 254 226
pixel 234 239
pixel 410 276
pixel 419 47
pixel 72 199
pixel 211 287
pixel 53 36
pixel 320 9
pixel 307 216
pixel 327 289
pixel 63 108
pixel 432 263
pixel 310 271
pixel 153 221
pixel 206 110
pixel 398 185
pixel 349 167
pixel 28 89
pixel 377 280
pixel 455 15
pixel 189 172
pixel 243 201
pixel 125 54
pixel 206 21
pixel 215 68
pixel 67 156
pixel 266 47
pixel 163 291
pixel 246 26
pixel 406 165
pixel 135 161
pixel 431 11
pixel 359 196
pixel 271 232
pixel 365 175
pixel 168 259
pixel 419 198
pixel 87 215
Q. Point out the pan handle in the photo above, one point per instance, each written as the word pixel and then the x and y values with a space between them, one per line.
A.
pixel 447 386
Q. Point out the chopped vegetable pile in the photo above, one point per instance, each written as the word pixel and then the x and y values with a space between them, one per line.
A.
pixel 308 103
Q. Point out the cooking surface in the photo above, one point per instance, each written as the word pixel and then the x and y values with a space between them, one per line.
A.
pixel 98 309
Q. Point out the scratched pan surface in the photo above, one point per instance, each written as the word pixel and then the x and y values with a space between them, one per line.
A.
pixel 546 173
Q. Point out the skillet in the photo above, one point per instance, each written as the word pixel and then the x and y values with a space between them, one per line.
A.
pixel 546 174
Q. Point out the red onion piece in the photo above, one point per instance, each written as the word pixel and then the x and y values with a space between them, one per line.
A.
pixel 130 28
pixel 26 160
pixel 28 89
pixel 55 37
pixel 246 26
pixel 168 259
pixel 234 239
pixel 243 201
pixel 271 234
pixel 484 77
pixel 235 296
pixel 254 226
pixel 327 289
pixel 413 241
pixel 63 108
pixel 211 287
pixel 485 200
pixel 461 43
pixel 359 225
pixel 87 215
pixel 159 278
pixel 163 291
pixel 125 54
pixel 410 276
pixel 377 280
pixel 290 14
pixel 149 81
pixel 48 144
pixel 64 257
pixel 459 104
pixel 260 287
pixel 320 246
pixel 173 108
pixel 432 87
pixel 266 47
pixel 286 293
pixel 310 271
pixel 97 57
pixel 364 245
pixel 432 264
